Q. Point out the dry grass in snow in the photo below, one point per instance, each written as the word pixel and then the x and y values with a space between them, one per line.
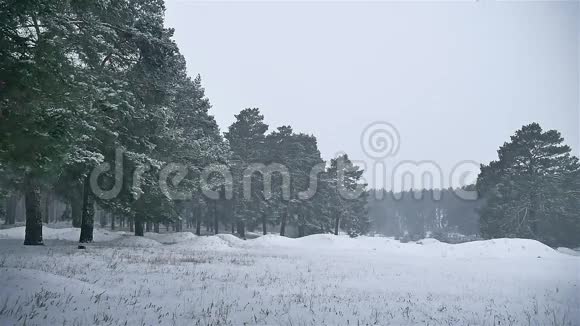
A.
pixel 178 279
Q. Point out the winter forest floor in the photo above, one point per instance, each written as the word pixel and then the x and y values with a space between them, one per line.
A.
pixel 182 279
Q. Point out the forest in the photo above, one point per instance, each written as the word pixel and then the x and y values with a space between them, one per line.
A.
pixel 141 188
pixel 110 85
pixel 100 122
pixel 412 215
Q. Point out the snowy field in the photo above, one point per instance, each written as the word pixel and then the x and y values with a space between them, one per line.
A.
pixel 181 279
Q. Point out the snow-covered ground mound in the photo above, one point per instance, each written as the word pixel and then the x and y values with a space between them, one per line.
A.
pixel 44 289
pixel 214 242
pixel 67 234
pixel 231 240
pixel 184 279
pixel 568 251
pixel 133 241
pixel 497 248
pixel 170 238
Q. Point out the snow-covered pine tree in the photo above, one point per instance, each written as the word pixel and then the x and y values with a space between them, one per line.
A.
pixel 349 210
pixel 285 150
pixel 528 191
pixel 307 159
pixel 44 97
pixel 246 138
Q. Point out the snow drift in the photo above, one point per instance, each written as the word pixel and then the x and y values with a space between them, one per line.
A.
pixel 67 234
pixel 496 248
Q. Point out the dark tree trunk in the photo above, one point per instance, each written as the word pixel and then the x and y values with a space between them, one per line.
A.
pixel 234 220
pixel 283 224
pixel 102 218
pixel 11 203
pixel 198 226
pixel 138 226
pixel 336 225
pixel 66 215
pixel 532 215
pixel 88 214
pixel 242 230
pixel 191 217
pixel 300 231
pixel 156 227
pixel 33 233
pixel 76 206
pixel 148 227
pixel 215 218
pixel 130 224
pixel 264 229
pixel 112 221
pixel 45 202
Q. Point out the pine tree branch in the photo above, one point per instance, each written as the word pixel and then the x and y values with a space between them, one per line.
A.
pixel 36 27
pixel 106 59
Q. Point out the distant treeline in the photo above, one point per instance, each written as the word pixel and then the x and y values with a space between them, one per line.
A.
pixel 417 213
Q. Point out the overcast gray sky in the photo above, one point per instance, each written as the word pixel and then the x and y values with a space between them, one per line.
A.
pixel 455 78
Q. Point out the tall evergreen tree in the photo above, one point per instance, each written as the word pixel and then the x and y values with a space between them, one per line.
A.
pixel 45 88
pixel 349 196
pixel 527 191
pixel 284 150
pixel 246 138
